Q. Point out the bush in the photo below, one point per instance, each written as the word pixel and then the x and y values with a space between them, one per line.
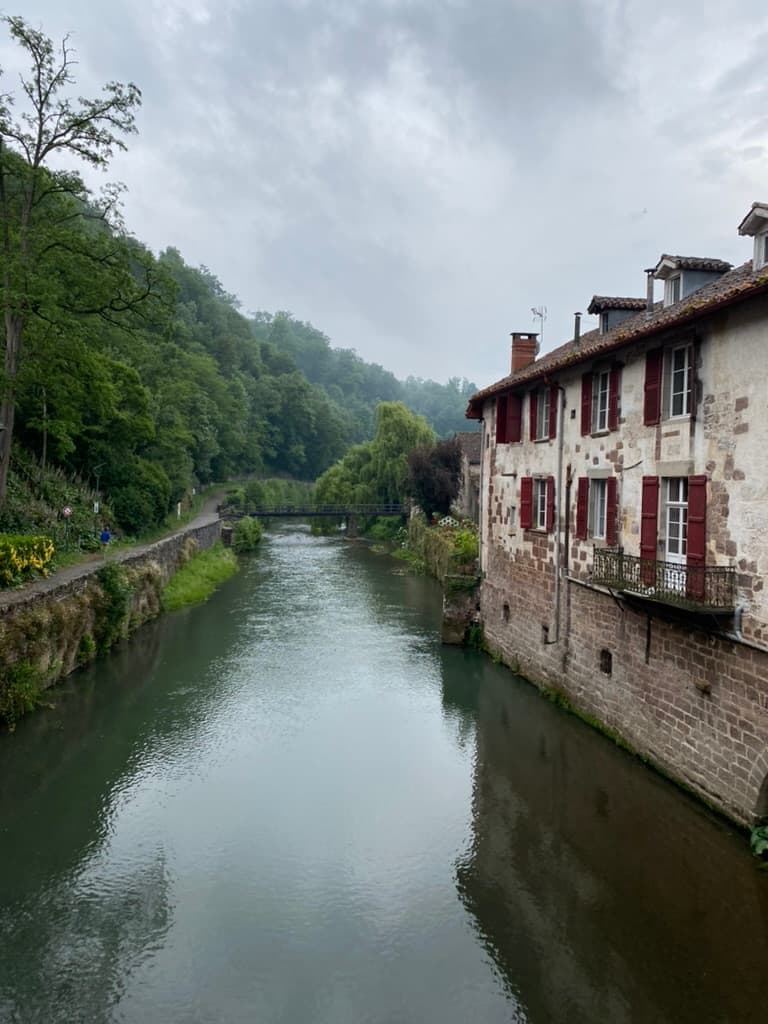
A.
pixel 465 546
pixel 21 557
pixel 246 535
pixel 20 692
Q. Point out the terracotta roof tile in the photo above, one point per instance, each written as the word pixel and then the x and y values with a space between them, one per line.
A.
pixel 738 285
pixel 697 263
pixel 603 302
pixel 469 442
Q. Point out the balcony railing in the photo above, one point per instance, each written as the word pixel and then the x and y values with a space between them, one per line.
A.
pixel 687 586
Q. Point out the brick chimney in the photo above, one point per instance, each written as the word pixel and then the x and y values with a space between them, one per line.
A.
pixel 524 348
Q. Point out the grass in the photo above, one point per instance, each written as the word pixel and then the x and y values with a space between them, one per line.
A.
pixel 198 579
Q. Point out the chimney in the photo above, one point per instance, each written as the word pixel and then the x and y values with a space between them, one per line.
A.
pixel 524 348
pixel 649 291
pixel 576 327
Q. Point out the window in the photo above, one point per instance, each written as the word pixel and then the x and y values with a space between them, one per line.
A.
pixel 508 419
pixel 676 502
pixel 679 380
pixel 604 323
pixel 672 290
pixel 539 504
pixel 668 384
pixel 597 508
pixel 762 251
pixel 600 390
pixel 542 414
pixel 600 401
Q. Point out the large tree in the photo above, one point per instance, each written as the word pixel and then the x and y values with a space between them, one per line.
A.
pixel 64 253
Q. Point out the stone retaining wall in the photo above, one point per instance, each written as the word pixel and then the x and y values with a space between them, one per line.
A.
pixel 56 630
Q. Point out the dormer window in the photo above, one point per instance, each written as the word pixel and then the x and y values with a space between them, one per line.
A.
pixel 604 323
pixel 672 290
pixel 756 225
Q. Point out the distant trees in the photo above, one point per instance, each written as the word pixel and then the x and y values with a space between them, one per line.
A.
pixel 434 476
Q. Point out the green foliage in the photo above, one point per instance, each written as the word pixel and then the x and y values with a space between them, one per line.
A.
pixel 387 529
pixel 23 557
pixel 86 649
pixel 246 535
pixel 465 544
pixel 474 636
pixel 21 687
pixel 433 476
pixel 113 608
pixel 759 842
pixel 197 580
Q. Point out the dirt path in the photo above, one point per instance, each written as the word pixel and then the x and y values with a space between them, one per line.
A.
pixel 207 514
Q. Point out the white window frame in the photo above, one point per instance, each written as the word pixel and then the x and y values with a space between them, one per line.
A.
pixel 673 289
pixel 676 519
pixel 542 414
pixel 762 250
pixel 539 518
pixel 601 396
pixel 678 382
pixel 598 508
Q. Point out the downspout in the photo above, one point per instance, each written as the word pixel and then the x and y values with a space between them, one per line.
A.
pixel 558 501
pixel 481 498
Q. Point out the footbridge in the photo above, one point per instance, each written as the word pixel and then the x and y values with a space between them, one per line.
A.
pixel 349 513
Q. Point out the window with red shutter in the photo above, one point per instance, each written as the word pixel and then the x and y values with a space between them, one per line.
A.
pixel 697 535
pixel 652 398
pixel 611 512
pixel 515 418
pixel 501 419
pixel 554 396
pixel 613 398
pixel 649 528
pixel 586 404
pixel 526 502
pixel 582 508
pixel 550 504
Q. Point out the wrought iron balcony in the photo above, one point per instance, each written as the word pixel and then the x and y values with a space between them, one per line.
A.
pixel 698 588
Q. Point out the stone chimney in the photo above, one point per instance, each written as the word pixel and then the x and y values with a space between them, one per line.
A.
pixel 524 348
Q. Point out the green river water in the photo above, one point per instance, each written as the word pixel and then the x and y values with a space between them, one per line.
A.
pixel 292 805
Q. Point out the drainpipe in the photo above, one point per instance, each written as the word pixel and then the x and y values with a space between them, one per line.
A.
pixel 481 519
pixel 558 504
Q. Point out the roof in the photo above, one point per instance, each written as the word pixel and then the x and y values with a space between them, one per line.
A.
pixel 756 220
pixel 470 444
pixel 738 285
pixel 600 303
pixel 670 264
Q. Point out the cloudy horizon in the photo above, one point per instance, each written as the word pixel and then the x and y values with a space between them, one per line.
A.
pixel 413 177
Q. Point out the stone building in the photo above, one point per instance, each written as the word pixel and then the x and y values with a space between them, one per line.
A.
pixel 624 520
pixel 468 501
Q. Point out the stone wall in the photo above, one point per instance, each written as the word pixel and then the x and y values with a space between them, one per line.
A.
pixel 57 630
pixel 694 704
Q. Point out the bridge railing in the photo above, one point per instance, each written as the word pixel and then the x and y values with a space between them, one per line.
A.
pixel 315 510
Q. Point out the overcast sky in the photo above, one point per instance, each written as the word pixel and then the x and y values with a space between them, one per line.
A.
pixel 412 176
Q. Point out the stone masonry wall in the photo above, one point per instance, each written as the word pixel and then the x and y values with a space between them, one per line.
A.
pixel 54 630
pixel 694 704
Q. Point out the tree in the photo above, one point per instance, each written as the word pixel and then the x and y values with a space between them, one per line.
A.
pixel 433 476
pixel 50 214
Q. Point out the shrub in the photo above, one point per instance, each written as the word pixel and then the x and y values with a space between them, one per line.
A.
pixel 246 535
pixel 112 611
pixel 465 545
pixel 20 692
pixel 21 557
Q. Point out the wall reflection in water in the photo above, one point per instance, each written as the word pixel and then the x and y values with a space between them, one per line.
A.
pixel 601 892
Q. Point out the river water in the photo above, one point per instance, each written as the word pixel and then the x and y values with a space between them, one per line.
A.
pixel 293 805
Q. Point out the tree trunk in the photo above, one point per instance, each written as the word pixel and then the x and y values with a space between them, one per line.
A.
pixel 13 330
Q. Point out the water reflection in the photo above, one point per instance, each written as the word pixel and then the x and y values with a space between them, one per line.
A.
pixel 600 891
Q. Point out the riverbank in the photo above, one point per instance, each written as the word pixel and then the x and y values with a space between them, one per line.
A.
pixel 53 626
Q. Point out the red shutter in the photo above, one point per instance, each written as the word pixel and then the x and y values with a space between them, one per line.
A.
pixel 586 404
pixel 550 504
pixel 526 502
pixel 611 512
pixel 649 529
pixel 554 397
pixel 652 402
pixel 697 535
pixel 532 406
pixel 582 507
pixel 613 397
pixel 515 418
pixel 501 419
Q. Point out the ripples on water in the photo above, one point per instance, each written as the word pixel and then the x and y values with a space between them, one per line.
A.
pixel 293 804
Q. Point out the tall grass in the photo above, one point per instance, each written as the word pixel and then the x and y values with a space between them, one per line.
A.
pixel 197 580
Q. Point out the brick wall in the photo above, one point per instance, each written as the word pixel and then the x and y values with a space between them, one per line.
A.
pixel 694 704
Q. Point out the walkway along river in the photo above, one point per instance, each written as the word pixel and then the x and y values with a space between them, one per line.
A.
pixel 293 805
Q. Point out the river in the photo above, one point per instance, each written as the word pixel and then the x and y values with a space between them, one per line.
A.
pixel 292 805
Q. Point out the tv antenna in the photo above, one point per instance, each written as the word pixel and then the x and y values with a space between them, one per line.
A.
pixel 540 314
